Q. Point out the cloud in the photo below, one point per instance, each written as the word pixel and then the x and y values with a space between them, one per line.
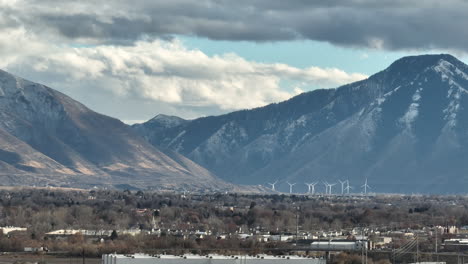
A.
pixel 167 71
pixel 386 24
pixel 123 58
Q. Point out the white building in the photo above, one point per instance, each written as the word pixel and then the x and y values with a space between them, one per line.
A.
pixel 382 241
pixel 339 245
pixel 97 233
pixel 33 249
pixel 210 259
pixel 429 263
pixel 461 241
pixel 8 229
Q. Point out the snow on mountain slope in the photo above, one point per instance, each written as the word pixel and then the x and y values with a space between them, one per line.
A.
pixel 405 128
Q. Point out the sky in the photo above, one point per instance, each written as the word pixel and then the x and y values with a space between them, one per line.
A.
pixel 135 59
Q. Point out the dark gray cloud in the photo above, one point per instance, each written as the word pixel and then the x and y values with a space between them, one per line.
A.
pixel 123 58
pixel 384 24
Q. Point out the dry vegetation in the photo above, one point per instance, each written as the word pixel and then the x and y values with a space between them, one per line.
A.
pixel 45 210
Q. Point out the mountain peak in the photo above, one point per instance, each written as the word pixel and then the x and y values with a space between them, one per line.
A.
pixel 416 64
pixel 160 117
pixel 409 69
pixel 405 126
pixel 166 120
pixel 424 60
pixel 160 122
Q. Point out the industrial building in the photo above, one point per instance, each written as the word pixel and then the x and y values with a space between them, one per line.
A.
pixel 340 245
pixel 209 259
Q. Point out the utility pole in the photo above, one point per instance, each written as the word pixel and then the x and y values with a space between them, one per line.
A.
pixel 367 244
pixel 364 259
pixel 362 246
pixel 417 248
pixel 297 223
pixel 436 244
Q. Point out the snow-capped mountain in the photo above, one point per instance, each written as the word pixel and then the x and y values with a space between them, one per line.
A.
pixel 405 129
pixel 48 138
pixel 150 129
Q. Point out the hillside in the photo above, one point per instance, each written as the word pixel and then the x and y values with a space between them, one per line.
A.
pixel 404 128
pixel 47 138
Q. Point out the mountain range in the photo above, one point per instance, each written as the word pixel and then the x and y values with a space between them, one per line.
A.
pixel 49 139
pixel 405 129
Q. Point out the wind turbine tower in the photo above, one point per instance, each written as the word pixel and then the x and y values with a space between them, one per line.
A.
pixel 326 186
pixel 342 186
pixel 313 187
pixel 348 188
pixel 273 185
pixel 330 186
pixel 366 186
pixel 291 186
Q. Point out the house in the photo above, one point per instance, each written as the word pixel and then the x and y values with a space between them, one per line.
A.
pixel 451 230
pixel 243 236
pixel 381 241
pixel 34 249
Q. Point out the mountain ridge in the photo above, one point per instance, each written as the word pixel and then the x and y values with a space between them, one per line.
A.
pixel 50 139
pixel 399 121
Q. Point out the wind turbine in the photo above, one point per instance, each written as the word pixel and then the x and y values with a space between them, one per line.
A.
pixel 313 187
pixel 330 186
pixel 342 186
pixel 348 188
pixel 291 186
pixel 273 185
pixel 365 186
pixel 326 186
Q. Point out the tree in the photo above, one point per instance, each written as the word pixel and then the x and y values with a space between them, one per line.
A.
pixel 114 235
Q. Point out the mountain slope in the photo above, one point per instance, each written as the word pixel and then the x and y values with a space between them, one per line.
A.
pixel 412 138
pixel 48 138
pixel 404 128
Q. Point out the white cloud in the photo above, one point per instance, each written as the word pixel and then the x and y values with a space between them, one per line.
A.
pixel 162 72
